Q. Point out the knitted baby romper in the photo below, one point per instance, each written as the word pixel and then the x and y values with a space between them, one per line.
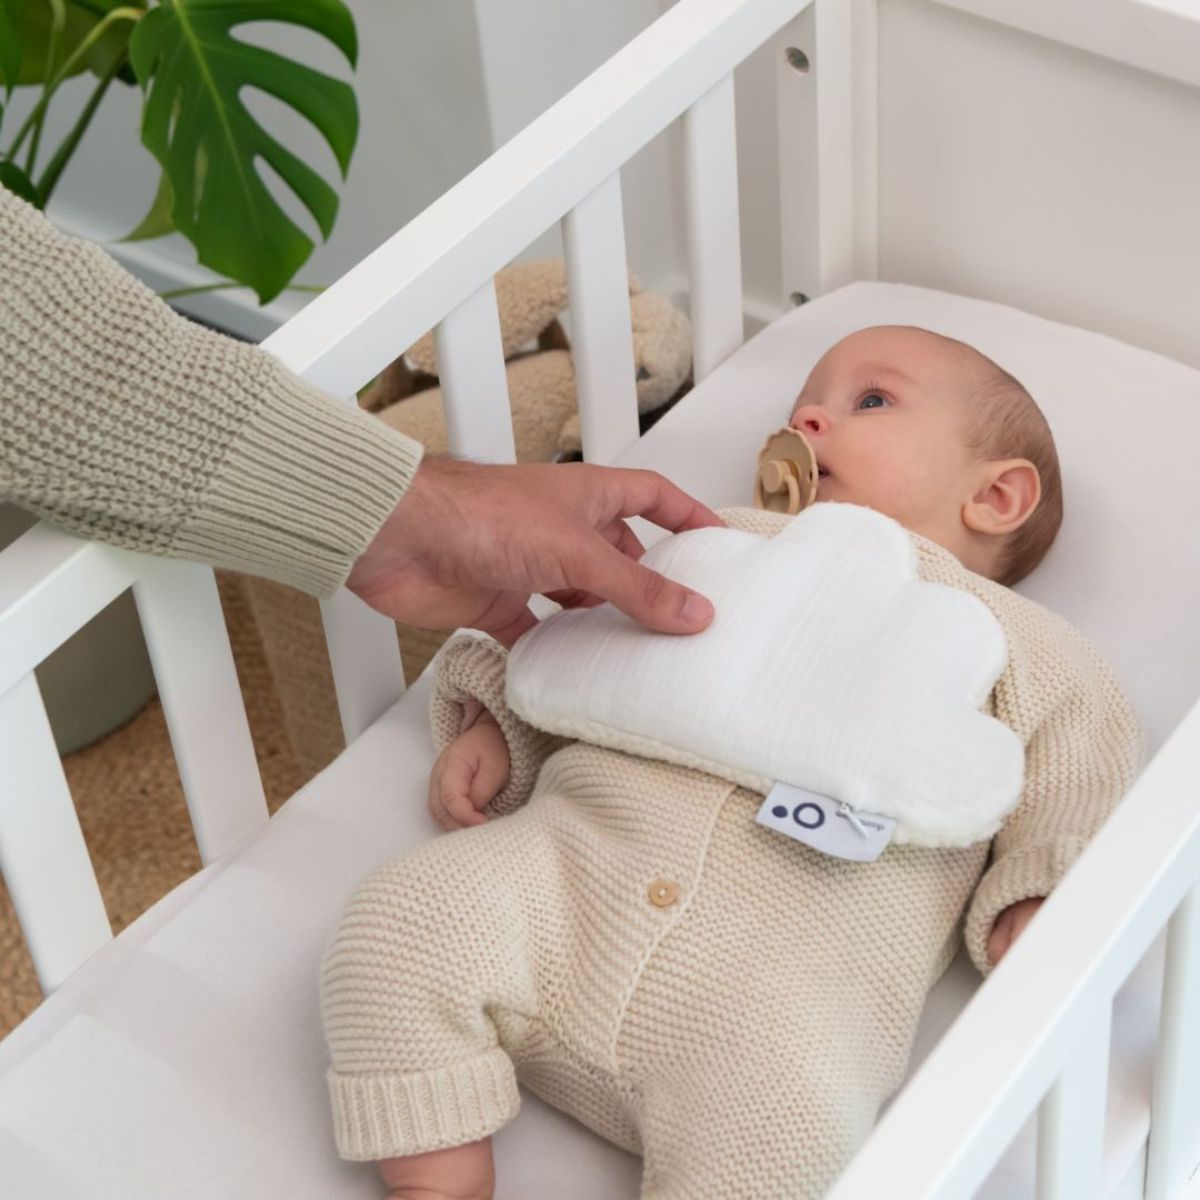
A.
pixel 631 945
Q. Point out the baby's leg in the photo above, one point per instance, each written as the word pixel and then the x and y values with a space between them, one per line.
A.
pixel 429 949
pixel 728 1130
pixel 460 1173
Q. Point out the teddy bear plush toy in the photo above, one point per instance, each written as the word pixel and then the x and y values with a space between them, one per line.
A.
pixel 541 380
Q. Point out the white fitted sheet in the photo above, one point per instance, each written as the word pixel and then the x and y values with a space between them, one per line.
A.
pixel 186 1059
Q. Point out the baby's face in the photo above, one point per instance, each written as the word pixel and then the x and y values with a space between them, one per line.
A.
pixel 884 410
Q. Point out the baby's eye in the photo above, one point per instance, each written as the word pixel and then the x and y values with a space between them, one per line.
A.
pixel 872 400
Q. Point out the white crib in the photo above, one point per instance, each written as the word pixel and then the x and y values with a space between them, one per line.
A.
pixel 184 1058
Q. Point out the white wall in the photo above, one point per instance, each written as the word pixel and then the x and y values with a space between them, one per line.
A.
pixel 1023 171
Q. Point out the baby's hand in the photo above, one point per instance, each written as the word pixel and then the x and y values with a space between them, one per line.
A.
pixel 468 774
pixel 1009 925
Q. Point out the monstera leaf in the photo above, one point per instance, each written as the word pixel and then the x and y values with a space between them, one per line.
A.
pixel 194 70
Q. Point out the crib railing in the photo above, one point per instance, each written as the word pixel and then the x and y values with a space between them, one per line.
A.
pixel 1038 1033
pixel 50 585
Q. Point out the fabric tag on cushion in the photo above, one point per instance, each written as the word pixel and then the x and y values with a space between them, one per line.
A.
pixel 830 826
pixel 829 666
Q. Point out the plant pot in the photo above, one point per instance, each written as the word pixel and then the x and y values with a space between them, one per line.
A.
pixel 99 678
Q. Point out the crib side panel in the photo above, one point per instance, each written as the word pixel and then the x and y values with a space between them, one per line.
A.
pixel 51 584
pixel 1020 1032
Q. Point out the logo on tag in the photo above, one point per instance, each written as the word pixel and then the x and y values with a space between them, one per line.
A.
pixel 830 826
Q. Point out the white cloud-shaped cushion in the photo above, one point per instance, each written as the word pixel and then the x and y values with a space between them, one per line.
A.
pixel 829 665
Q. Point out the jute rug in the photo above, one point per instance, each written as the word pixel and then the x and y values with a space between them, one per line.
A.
pixel 130 804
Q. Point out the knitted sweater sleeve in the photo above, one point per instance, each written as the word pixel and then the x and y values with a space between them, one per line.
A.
pixel 472 667
pixel 1083 754
pixel 122 421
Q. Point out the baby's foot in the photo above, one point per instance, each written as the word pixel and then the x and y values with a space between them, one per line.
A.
pixel 459 1173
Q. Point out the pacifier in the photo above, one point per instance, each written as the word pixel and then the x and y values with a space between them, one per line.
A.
pixel 786 480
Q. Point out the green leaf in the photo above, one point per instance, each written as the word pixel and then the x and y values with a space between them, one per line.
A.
pixel 10 48
pixel 157 222
pixel 194 123
pixel 13 178
pixel 31 22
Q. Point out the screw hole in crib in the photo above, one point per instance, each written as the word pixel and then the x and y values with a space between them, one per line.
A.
pixel 797 60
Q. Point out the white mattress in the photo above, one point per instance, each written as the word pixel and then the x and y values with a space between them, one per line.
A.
pixel 186 1059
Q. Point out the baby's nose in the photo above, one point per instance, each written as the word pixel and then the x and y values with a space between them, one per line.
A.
pixel 811 419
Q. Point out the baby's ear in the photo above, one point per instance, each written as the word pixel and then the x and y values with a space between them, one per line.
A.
pixel 1005 498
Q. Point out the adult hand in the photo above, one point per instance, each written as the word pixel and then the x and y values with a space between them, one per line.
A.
pixel 470 542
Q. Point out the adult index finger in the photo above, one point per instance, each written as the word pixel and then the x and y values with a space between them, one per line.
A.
pixel 654 497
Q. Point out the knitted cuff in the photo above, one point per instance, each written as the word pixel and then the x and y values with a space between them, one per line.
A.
pixel 130 424
pixel 389 1116
pixel 1032 871
pixel 473 668
pixel 302 490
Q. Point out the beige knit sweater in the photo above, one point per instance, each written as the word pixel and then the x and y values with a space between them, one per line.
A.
pixel 743 1034
pixel 122 421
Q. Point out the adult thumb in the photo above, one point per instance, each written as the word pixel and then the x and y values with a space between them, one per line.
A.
pixel 649 598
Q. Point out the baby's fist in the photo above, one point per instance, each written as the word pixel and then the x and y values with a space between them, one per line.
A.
pixel 468 774
pixel 1009 925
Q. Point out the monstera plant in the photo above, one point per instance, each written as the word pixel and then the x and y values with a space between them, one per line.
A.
pixel 193 71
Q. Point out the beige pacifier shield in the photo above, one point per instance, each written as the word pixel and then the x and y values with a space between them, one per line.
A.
pixel 786 480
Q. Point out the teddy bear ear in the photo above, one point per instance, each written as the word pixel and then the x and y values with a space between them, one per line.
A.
pixel 529 296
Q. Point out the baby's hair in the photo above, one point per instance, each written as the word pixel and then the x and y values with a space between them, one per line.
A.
pixel 1005 422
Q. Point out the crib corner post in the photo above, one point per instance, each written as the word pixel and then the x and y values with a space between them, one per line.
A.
pixel 827 103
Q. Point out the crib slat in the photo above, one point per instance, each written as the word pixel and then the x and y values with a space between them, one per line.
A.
pixel 193 666
pixel 474 387
pixel 601 325
pixel 43 857
pixel 1071 1116
pixel 364 653
pixel 1174 1157
pixel 713 231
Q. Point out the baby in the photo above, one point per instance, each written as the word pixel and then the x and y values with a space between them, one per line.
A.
pixel 620 934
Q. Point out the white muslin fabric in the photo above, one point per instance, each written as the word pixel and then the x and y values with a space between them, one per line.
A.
pixel 829 666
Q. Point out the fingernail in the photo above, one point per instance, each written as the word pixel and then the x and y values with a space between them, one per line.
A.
pixel 696 609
